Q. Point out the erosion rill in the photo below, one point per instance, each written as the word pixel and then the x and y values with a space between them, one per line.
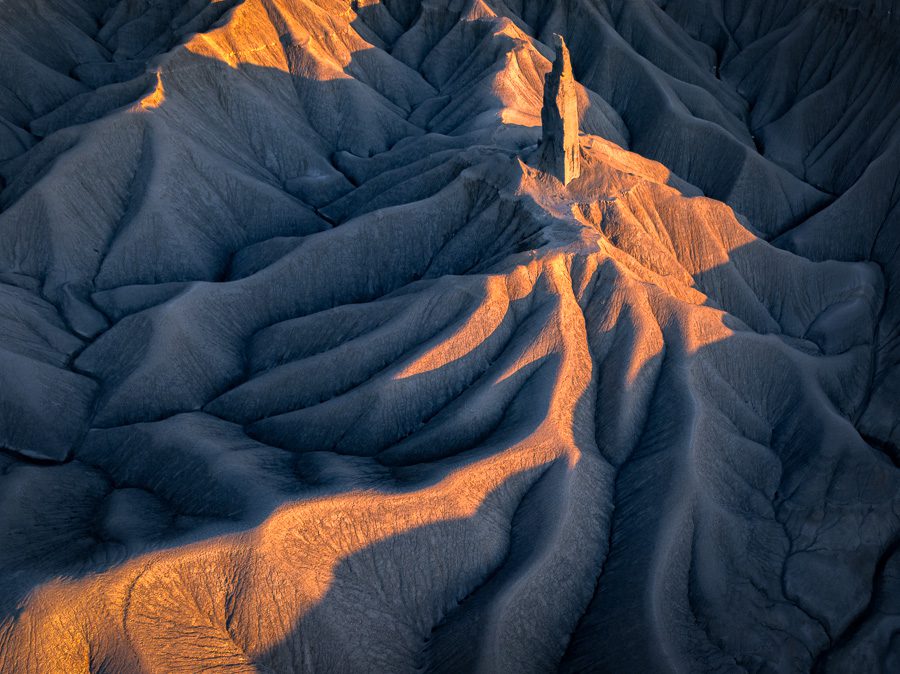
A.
pixel 560 154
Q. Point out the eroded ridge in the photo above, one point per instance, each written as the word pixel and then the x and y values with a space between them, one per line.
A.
pixel 310 361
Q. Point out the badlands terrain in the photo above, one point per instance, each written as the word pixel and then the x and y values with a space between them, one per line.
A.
pixel 403 335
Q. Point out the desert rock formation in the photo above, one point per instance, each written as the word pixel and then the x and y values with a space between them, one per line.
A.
pixel 560 152
pixel 307 365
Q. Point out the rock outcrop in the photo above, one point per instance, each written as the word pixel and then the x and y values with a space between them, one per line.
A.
pixel 560 154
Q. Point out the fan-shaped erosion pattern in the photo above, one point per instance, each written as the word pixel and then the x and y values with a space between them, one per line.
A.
pixel 314 356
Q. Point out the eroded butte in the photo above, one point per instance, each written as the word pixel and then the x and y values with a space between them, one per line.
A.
pixel 449 335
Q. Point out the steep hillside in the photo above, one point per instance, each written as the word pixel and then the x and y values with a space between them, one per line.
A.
pixel 311 361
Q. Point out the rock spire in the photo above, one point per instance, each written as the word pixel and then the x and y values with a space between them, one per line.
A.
pixel 560 154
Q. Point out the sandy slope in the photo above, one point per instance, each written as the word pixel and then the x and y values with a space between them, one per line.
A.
pixel 305 365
